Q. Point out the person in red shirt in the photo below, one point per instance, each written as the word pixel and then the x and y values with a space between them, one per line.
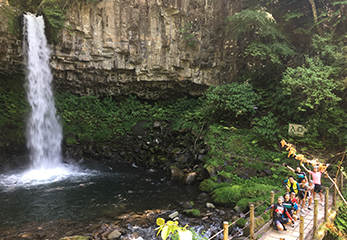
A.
pixel 281 215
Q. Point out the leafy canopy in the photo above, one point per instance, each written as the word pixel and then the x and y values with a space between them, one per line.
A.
pixel 259 36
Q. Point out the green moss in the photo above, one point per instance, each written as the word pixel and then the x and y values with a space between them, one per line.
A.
pixel 193 212
pixel 207 185
pixel 71 141
pixel 241 222
pixel 13 19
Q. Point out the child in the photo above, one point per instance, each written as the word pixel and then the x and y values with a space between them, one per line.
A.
pixel 302 194
pixel 309 193
pixel 291 207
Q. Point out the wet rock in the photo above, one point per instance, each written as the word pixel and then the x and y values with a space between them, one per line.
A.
pixel 237 209
pixel 244 176
pixel 138 129
pixel 187 205
pixel 268 172
pixel 114 235
pixel 176 173
pixel 221 213
pixel 189 178
pixel 210 205
pixel 173 215
pixel 252 173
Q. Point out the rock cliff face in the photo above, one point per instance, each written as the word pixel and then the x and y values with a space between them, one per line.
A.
pixel 152 48
pixel 10 39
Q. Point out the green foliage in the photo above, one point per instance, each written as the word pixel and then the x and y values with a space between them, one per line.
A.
pixel 231 100
pixel 168 228
pixel 12 17
pixel 341 219
pixel 312 85
pixel 260 35
pixel 171 230
pixel 90 117
pixel 54 13
pixel 13 108
pixel 243 194
pixel 26 5
pixel 196 235
pixel 267 128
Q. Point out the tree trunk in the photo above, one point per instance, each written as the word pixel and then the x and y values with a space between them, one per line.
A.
pixel 314 10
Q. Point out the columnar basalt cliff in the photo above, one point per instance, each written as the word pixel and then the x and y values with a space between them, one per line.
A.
pixel 151 48
pixel 10 39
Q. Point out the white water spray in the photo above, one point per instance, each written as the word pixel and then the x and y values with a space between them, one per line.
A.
pixel 44 133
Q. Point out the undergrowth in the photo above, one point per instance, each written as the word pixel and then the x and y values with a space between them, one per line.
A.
pixel 104 119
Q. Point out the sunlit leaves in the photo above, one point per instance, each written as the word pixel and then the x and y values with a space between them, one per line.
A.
pixel 312 83
pixel 169 228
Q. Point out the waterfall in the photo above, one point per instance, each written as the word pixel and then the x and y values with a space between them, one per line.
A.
pixel 44 133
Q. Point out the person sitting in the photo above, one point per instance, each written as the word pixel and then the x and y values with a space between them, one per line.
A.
pixel 281 215
pixel 301 175
pixel 291 207
pixel 291 185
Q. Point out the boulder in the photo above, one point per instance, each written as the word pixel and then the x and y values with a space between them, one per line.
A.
pixel 189 178
pixel 114 235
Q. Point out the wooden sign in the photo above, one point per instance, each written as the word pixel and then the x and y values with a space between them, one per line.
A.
pixel 296 129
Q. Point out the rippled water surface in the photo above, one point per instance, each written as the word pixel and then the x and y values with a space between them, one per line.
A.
pixel 90 192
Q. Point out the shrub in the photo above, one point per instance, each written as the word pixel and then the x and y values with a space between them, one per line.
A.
pixel 231 100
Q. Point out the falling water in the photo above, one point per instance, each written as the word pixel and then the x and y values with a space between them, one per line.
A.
pixel 44 133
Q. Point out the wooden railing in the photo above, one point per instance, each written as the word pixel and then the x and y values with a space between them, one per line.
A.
pixel 251 222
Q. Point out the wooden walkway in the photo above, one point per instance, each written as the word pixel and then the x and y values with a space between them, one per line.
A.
pixel 293 233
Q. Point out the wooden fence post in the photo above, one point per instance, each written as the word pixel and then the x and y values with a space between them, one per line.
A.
pixel 272 201
pixel 334 195
pixel 251 215
pixel 326 204
pixel 225 230
pixel 315 219
pixel 302 223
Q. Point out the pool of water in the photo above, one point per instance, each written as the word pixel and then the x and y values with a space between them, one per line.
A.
pixel 87 192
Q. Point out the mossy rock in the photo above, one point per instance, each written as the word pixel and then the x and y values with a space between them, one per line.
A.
pixel 242 222
pixel 207 185
pixel 193 212
pixel 75 238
